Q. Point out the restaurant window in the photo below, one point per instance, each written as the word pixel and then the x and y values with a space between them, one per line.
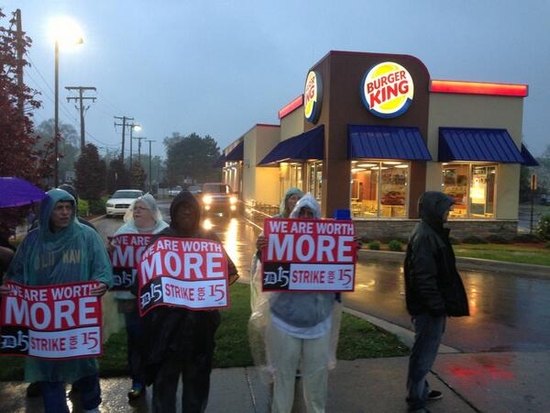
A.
pixel 472 186
pixel 290 175
pixel 315 179
pixel 379 189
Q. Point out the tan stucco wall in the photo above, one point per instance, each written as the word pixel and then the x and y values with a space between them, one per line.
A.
pixel 260 184
pixel 472 111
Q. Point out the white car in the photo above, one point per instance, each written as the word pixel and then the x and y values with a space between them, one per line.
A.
pixel 120 201
pixel 172 192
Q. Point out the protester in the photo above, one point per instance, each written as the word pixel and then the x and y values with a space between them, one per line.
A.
pixel 298 335
pixel 58 233
pixel 33 389
pixel 179 341
pixel 143 217
pixel 433 290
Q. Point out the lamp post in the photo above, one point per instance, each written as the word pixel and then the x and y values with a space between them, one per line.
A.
pixel 56 115
pixel 69 33
pixel 150 185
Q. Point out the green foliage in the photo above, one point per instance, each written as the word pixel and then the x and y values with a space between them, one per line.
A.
pixel 496 239
pixel 526 238
pixel 118 176
pixel 82 208
pixel 374 245
pixel 543 229
pixel 97 206
pixel 474 239
pixel 90 173
pixel 395 245
pixel 192 157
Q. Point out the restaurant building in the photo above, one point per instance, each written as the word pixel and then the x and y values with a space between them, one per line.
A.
pixel 371 132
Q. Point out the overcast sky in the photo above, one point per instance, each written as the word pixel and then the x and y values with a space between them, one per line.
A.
pixel 219 67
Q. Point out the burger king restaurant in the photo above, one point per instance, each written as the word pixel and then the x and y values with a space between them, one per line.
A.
pixel 371 132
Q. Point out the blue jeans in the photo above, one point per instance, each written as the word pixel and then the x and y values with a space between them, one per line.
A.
pixel 55 401
pixel 428 333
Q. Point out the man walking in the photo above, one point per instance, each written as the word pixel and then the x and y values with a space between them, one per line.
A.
pixel 434 291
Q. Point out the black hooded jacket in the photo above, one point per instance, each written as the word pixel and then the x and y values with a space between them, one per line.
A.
pixel 173 332
pixel 432 283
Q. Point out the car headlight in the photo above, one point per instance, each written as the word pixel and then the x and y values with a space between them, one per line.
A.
pixel 109 204
pixel 207 199
pixel 233 200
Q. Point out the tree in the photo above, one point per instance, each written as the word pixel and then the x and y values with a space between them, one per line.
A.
pixel 17 101
pixel 90 173
pixel 138 175
pixel 191 157
pixel 118 176
pixel 68 149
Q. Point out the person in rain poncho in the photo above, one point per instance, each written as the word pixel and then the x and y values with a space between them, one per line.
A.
pixel 39 261
pixel 143 217
pixel 298 328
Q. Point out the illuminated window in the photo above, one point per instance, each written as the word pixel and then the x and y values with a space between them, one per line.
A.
pixel 472 186
pixel 379 189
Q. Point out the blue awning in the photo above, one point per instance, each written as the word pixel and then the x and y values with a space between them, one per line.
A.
pixel 528 159
pixel 386 142
pixel 236 153
pixel 477 144
pixel 308 145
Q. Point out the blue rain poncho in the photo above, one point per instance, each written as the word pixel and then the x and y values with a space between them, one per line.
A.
pixel 39 261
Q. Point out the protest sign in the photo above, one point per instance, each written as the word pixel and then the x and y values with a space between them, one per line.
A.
pixel 309 255
pixel 183 272
pixel 125 257
pixel 51 322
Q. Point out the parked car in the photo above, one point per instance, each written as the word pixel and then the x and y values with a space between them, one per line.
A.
pixel 194 189
pixel 172 192
pixel 120 201
pixel 218 197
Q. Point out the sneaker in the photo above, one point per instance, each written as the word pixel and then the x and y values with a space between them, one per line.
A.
pixel 34 390
pixel 136 392
pixel 434 395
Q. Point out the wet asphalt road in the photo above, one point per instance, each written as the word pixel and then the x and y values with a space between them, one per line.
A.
pixel 509 312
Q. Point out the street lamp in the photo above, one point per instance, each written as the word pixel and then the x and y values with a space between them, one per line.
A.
pixel 133 127
pixel 66 32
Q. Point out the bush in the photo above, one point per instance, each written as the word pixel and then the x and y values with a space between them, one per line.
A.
pixel 497 239
pixel 82 208
pixel 96 206
pixel 474 239
pixel 544 227
pixel 395 245
pixel 374 245
pixel 526 238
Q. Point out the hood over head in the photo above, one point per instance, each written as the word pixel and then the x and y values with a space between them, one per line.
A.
pixel 291 191
pixel 70 189
pixel 432 205
pixel 152 206
pixel 307 201
pixel 185 197
pixel 47 206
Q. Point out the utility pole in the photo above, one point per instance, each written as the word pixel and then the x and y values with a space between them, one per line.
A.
pixel 20 51
pixel 150 173
pixel 81 98
pixel 139 147
pixel 123 124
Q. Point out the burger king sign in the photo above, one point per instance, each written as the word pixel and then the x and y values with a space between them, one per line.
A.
pixel 387 90
pixel 313 96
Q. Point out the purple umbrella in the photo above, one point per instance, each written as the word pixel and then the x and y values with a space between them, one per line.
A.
pixel 16 192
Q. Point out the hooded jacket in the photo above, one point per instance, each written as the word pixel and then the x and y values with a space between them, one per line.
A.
pixel 76 253
pixel 175 332
pixel 432 283
pixel 302 309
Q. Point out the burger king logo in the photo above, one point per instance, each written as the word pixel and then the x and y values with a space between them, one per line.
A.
pixel 313 96
pixel 387 90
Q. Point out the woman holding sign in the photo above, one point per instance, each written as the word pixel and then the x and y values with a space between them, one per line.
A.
pixel 298 335
pixel 143 217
